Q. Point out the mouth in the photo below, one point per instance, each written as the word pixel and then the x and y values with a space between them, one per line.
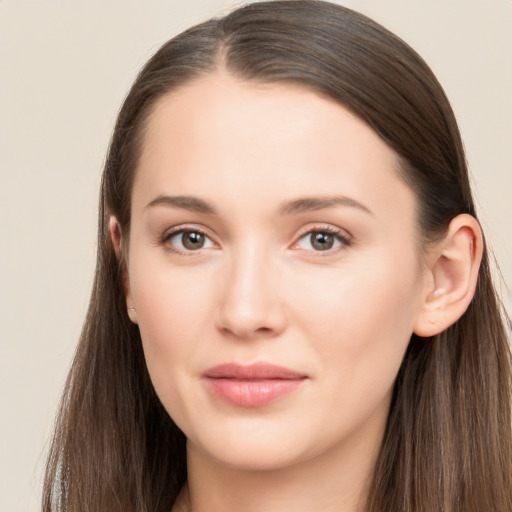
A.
pixel 254 385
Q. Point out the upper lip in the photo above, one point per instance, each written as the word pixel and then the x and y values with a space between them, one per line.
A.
pixel 256 371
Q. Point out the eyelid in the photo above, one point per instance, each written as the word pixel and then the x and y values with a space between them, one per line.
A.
pixel 164 238
pixel 345 238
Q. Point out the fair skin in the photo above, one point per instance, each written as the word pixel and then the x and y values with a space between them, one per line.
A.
pixel 226 266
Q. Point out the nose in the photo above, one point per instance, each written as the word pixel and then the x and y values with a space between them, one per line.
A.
pixel 251 305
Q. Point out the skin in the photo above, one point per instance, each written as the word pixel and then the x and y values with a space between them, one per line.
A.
pixel 260 291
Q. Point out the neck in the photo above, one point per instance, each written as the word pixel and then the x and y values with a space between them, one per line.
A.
pixel 337 480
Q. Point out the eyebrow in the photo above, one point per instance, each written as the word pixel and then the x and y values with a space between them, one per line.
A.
pixel 309 204
pixel 301 205
pixel 190 203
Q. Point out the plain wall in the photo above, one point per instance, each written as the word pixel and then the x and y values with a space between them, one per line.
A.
pixel 64 70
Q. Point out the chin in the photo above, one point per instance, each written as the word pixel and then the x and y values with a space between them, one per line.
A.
pixel 253 456
pixel 257 444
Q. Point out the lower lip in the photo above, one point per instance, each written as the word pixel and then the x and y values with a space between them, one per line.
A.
pixel 251 393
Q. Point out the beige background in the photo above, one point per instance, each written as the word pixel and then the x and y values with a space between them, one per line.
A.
pixel 64 70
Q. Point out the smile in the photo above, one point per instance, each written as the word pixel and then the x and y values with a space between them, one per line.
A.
pixel 251 386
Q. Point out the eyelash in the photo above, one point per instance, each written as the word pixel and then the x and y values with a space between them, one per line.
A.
pixel 168 235
pixel 341 236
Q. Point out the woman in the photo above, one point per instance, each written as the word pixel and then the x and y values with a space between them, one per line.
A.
pixel 292 307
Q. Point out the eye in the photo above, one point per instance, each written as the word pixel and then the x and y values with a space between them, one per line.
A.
pixel 322 240
pixel 188 240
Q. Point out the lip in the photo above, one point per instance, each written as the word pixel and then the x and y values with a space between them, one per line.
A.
pixel 252 385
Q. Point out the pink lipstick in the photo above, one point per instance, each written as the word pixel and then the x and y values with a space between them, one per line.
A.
pixel 251 386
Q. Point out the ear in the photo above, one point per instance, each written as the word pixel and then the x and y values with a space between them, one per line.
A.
pixel 116 236
pixel 452 274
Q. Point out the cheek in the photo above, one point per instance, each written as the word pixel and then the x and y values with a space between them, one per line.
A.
pixel 359 329
pixel 173 306
pixel 361 320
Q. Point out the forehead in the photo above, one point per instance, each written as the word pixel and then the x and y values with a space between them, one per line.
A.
pixel 224 138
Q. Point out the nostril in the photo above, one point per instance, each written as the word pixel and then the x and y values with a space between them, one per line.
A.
pixel 242 332
pixel 264 330
pixel 247 306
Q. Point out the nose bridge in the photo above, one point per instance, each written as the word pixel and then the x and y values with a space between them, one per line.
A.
pixel 250 304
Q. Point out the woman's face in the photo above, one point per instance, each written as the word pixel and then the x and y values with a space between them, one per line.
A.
pixel 273 270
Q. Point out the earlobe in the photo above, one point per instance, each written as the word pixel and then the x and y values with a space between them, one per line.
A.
pixel 132 312
pixel 453 273
pixel 116 238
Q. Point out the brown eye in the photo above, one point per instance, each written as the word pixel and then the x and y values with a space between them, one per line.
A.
pixel 192 240
pixel 322 241
pixel 187 240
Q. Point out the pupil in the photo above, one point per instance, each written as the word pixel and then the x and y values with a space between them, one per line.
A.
pixel 193 240
pixel 323 241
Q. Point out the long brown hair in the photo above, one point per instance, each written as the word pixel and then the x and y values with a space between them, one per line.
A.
pixel 448 441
